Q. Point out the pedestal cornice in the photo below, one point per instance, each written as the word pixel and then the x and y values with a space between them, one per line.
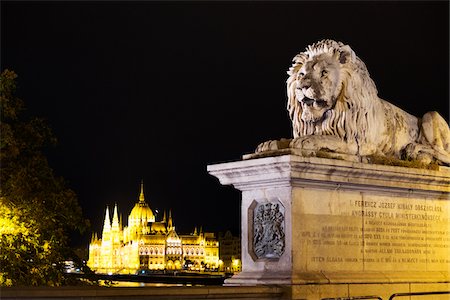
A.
pixel 297 171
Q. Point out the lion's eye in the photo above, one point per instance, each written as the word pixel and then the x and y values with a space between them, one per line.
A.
pixel 324 73
pixel 301 74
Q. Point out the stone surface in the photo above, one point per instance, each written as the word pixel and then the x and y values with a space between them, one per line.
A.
pixel 367 232
pixel 345 223
pixel 334 106
pixel 430 288
pixel 173 292
pixel 267 227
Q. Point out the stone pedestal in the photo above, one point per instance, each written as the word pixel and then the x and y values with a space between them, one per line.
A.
pixel 333 228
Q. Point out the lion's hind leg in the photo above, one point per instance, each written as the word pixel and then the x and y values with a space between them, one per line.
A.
pixel 435 131
pixel 433 142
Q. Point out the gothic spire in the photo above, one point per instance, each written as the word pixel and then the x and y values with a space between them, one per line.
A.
pixel 115 221
pixel 169 223
pixel 107 224
pixel 141 196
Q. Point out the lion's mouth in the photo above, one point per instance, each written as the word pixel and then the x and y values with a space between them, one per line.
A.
pixel 318 102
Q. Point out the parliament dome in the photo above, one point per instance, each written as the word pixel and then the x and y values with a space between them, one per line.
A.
pixel 141 213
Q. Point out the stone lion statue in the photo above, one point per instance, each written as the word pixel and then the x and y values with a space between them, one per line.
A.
pixel 334 106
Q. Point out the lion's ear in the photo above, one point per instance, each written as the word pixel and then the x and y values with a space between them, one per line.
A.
pixel 346 54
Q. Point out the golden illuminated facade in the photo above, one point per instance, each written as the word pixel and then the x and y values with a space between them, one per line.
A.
pixel 149 245
pixel 230 252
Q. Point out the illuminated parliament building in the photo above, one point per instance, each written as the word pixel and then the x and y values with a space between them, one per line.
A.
pixel 147 244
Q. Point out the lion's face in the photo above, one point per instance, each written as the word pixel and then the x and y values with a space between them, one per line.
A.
pixel 318 85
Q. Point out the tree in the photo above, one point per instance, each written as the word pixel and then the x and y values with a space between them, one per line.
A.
pixel 37 210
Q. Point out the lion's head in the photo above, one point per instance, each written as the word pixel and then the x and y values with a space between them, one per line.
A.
pixel 325 87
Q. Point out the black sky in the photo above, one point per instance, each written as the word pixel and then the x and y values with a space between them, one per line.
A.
pixel 160 90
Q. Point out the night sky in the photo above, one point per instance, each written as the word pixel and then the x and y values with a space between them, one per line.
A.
pixel 157 91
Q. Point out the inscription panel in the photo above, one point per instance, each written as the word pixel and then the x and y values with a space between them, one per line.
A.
pixel 405 234
pixel 366 232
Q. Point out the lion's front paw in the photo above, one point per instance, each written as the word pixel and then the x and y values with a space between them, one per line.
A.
pixel 266 146
pixel 273 145
pixel 307 142
pixel 328 143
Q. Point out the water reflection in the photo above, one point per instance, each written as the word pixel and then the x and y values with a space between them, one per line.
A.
pixel 140 284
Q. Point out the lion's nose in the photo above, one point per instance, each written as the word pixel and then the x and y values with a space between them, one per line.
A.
pixel 307 101
pixel 305 86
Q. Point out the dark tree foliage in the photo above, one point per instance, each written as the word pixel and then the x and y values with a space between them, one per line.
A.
pixel 37 210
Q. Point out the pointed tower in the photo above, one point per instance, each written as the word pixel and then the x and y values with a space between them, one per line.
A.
pixel 169 223
pixel 106 234
pixel 141 196
pixel 107 223
pixel 164 217
pixel 115 222
pixel 195 230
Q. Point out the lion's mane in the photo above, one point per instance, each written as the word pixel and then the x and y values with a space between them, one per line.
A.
pixel 354 110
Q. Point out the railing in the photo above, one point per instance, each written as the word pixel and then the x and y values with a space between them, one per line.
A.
pixel 391 297
pixel 418 294
pixel 355 298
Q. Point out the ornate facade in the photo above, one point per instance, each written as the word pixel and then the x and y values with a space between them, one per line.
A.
pixel 146 244
pixel 230 252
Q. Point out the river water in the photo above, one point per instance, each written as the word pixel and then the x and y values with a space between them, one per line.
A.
pixel 141 284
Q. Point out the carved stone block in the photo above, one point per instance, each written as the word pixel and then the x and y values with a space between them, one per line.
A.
pixel 268 239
